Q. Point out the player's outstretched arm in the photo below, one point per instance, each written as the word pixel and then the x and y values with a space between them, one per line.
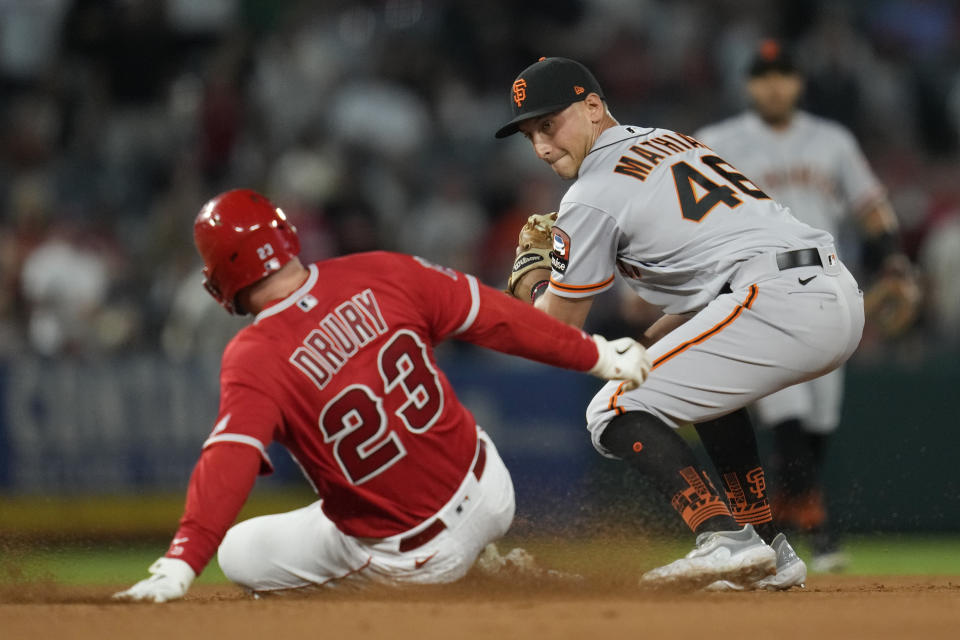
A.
pixel 456 304
pixel 219 486
pixel 572 311
pixel 508 325
pixel 621 359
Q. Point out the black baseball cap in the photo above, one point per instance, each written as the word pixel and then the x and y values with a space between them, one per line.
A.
pixel 772 56
pixel 548 85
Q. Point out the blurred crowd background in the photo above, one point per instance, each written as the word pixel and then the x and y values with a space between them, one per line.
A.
pixel 371 123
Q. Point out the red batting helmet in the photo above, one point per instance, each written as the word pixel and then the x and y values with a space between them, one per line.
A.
pixel 242 238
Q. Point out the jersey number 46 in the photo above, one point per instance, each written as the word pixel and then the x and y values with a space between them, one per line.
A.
pixel 698 194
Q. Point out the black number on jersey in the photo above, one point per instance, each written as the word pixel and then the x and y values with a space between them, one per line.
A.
pixel 696 203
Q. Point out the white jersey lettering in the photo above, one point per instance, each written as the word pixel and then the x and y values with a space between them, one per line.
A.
pixel 325 350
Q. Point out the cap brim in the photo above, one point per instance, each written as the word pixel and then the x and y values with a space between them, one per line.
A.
pixel 779 66
pixel 514 125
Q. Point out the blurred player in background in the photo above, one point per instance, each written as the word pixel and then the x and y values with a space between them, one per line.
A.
pixel 338 366
pixel 815 167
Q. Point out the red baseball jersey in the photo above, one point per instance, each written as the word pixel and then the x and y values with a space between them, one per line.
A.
pixel 342 373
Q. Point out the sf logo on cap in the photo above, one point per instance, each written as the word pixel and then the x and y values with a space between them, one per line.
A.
pixel 519 91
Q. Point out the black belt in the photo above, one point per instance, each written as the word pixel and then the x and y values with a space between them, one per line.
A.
pixel 433 529
pixel 799 258
pixel 790 260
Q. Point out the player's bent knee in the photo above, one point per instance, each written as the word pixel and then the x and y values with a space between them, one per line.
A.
pixel 238 554
pixel 630 432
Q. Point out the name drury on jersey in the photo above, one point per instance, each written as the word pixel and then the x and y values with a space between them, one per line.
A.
pixel 352 325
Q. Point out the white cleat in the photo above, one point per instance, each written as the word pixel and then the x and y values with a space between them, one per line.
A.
pixel 740 557
pixel 791 572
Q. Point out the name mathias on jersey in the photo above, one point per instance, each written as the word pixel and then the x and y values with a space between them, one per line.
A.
pixel 697 193
pixel 653 151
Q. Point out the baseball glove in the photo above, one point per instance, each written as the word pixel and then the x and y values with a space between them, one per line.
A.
pixel 533 247
pixel 892 303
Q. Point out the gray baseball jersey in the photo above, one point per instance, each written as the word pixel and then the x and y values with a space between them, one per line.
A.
pixel 689 232
pixel 814 166
pixel 670 215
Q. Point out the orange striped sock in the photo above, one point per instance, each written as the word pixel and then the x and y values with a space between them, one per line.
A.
pixel 700 502
pixel 747 495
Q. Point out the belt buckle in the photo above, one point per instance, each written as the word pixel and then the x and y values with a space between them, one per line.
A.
pixel 828 258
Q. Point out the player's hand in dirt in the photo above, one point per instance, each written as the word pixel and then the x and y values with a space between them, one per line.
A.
pixel 621 359
pixel 170 580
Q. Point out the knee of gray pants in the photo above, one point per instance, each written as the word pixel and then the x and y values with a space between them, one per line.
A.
pixel 599 415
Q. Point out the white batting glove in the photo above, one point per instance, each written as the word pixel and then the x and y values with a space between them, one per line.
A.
pixel 621 359
pixel 170 580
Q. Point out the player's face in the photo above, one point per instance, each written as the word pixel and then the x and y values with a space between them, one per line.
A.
pixel 561 139
pixel 775 95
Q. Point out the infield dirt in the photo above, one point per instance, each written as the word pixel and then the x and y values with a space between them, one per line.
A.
pixel 830 607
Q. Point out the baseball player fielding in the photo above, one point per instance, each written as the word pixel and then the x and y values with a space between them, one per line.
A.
pixel 754 301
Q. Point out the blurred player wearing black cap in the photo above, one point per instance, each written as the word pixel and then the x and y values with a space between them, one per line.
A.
pixel 815 167
pixel 775 85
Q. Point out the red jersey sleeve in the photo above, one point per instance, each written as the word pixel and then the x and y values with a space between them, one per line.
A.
pixel 219 486
pixel 232 456
pixel 248 414
pixel 457 305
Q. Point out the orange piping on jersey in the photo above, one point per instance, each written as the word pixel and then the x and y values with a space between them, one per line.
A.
pixel 746 304
pixel 752 296
pixel 581 288
pixel 612 405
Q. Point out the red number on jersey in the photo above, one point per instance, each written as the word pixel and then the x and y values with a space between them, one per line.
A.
pixel 404 363
pixel 356 423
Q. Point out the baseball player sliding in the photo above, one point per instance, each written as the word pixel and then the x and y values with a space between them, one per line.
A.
pixel 754 301
pixel 338 367
pixel 815 167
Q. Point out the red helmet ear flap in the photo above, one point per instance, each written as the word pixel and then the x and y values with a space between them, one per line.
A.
pixel 214 291
pixel 242 238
